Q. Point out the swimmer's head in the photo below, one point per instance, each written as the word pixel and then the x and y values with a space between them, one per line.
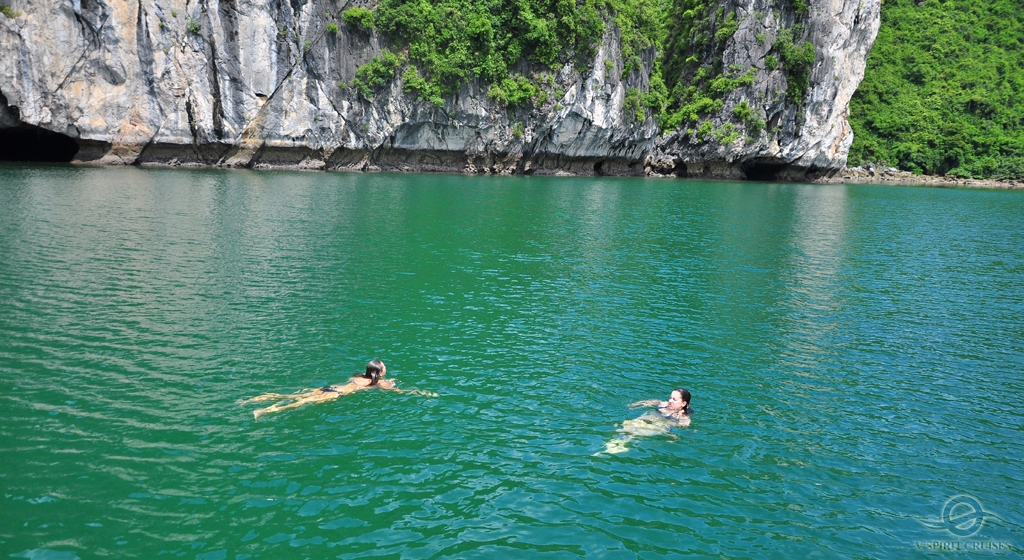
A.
pixel 679 399
pixel 375 370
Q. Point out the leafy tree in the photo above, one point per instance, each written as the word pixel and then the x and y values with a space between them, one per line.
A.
pixel 454 41
pixel 797 59
pixel 377 73
pixel 360 17
pixel 514 91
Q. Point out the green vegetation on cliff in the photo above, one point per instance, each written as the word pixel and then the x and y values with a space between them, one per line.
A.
pixel 450 42
pixel 359 17
pixel 943 92
pixel 377 72
pixel 696 79
pixel 454 41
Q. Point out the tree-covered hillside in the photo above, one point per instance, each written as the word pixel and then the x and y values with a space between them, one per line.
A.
pixel 944 89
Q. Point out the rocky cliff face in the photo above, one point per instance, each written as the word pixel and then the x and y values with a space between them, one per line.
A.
pixel 261 84
pixel 806 60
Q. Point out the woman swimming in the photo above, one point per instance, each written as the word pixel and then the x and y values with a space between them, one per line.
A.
pixel 374 377
pixel 673 413
pixel 677 407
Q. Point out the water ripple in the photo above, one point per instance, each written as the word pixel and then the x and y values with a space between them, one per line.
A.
pixel 854 353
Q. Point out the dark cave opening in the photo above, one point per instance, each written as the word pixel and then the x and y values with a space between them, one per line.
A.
pixel 762 171
pixel 34 144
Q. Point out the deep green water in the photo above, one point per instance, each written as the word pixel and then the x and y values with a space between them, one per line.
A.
pixel 855 355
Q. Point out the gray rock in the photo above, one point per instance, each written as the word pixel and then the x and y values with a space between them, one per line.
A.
pixel 247 83
pixel 807 139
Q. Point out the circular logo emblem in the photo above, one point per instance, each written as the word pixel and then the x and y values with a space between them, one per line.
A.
pixel 963 515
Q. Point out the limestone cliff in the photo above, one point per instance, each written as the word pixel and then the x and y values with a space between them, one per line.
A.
pixel 777 126
pixel 261 84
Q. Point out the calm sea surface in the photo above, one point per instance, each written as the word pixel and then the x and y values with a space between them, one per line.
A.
pixel 855 354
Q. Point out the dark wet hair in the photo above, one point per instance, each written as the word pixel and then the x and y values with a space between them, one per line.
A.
pixel 374 369
pixel 685 395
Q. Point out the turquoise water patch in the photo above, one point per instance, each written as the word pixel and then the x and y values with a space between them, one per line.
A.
pixel 854 353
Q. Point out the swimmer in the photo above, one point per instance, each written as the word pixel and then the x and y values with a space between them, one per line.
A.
pixel 677 407
pixel 374 377
pixel 673 413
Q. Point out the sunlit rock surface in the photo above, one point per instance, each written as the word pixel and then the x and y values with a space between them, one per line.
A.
pixel 258 84
pixel 805 139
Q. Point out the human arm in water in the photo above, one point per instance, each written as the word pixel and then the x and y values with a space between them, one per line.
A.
pixel 389 385
pixel 649 402
pixel 677 405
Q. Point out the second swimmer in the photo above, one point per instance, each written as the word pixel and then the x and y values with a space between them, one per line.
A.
pixel 374 377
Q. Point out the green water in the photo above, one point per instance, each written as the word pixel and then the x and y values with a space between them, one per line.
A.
pixel 855 355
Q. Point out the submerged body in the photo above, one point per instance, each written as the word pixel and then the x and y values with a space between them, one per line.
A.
pixel 375 371
pixel 308 396
pixel 649 424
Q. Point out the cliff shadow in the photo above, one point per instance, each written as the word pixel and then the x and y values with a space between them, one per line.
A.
pixel 33 144
pixel 763 171
pixel 25 142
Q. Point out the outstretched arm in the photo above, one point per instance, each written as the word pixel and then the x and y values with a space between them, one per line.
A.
pixel 390 386
pixel 648 402
pixel 418 392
